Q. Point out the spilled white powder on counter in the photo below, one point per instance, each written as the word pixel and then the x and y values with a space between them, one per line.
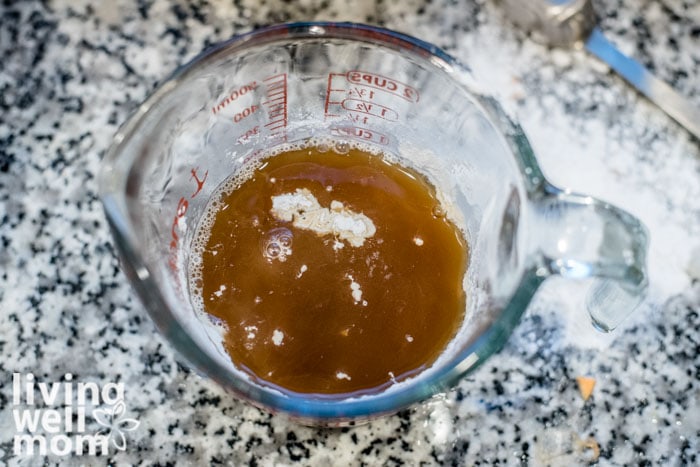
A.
pixel 305 212
pixel 693 267
pixel 639 160
pixel 592 135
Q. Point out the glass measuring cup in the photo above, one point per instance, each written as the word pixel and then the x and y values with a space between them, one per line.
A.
pixel 353 83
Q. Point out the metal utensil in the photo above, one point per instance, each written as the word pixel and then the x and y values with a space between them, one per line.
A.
pixel 572 23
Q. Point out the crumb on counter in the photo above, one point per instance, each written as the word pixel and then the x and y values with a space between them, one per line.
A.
pixel 585 386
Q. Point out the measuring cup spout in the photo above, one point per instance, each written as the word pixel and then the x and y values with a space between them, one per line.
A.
pixel 579 237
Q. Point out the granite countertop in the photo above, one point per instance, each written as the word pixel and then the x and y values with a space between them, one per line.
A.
pixel 72 71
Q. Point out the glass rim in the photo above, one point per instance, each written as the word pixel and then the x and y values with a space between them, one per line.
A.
pixel 312 407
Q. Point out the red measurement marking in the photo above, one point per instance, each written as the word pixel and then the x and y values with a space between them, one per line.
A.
pixel 174 237
pixel 385 84
pixel 252 156
pixel 233 95
pixel 362 134
pixel 331 91
pixel 276 105
pixel 248 134
pixel 369 108
pixel 245 113
pixel 180 212
pixel 358 118
pixel 200 183
pixel 361 92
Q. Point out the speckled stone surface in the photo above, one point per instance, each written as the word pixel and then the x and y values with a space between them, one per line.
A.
pixel 72 71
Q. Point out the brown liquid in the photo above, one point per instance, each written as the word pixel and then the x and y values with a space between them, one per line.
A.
pixel 286 295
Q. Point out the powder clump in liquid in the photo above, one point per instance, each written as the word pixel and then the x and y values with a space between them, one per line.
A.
pixel 305 212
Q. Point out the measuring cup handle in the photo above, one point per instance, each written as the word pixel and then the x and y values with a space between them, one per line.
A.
pixel 578 236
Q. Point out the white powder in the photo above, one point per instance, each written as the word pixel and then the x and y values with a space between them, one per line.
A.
pixel 356 291
pixel 693 267
pixel 305 212
pixel 182 223
pixel 418 241
pixel 277 337
pixel 653 178
pixel 286 206
pixel 341 375
pixel 221 290
pixel 251 330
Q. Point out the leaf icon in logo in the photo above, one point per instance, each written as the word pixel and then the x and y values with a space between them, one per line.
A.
pixel 115 424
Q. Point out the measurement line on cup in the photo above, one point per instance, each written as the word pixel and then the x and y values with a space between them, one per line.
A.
pixel 361 102
pixel 335 93
pixel 275 104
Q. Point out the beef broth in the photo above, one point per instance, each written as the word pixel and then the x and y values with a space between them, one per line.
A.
pixel 332 272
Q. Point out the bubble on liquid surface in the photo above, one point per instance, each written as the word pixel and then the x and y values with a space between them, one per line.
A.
pixel 342 147
pixel 277 244
pixel 438 212
pixel 272 250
